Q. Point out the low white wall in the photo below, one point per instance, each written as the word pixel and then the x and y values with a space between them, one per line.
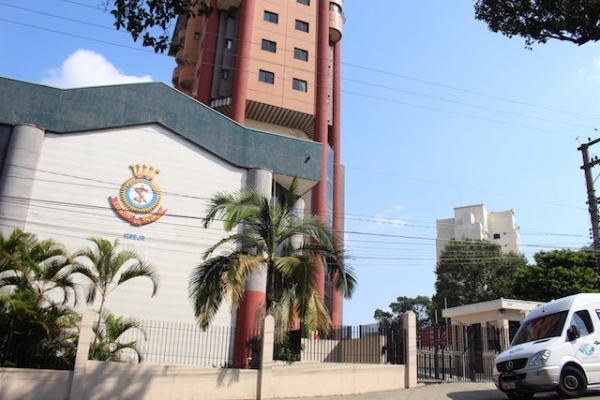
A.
pixel 115 381
pixel 162 382
pixel 34 384
pixel 311 379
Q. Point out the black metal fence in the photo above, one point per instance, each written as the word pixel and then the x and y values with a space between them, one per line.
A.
pixel 175 343
pixel 459 352
pixel 381 343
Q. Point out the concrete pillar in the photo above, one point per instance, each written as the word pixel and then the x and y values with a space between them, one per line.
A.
pixel 251 307
pixel 265 372
pixel 81 357
pixel 409 321
pixel 18 176
pixel 504 329
pixel 297 239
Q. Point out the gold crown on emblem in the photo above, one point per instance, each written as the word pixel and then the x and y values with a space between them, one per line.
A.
pixel 144 171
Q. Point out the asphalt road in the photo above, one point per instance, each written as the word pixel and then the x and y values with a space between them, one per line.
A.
pixel 453 390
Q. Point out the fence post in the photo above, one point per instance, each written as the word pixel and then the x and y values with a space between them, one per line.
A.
pixel 81 357
pixel 472 352
pixel 409 321
pixel 265 370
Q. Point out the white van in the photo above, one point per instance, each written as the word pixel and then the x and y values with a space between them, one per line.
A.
pixel 556 348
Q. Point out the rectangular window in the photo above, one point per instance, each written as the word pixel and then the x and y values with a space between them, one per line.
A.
pixel 196 35
pixel 301 25
pixel 266 76
pixel 300 85
pixel 228 44
pixel 225 74
pixel 307 2
pixel 300 54
pixel 496 236
pixel 271 17
pixel 268 46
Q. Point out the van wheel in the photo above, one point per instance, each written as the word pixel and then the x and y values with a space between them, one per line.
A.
pixel 519 396
pixel 572 383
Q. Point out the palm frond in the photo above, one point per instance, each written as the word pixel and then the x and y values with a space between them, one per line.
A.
pixel 141 270
pixel 219 276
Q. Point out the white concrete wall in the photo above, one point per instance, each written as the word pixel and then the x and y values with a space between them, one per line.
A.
pixel 503 224
pixel 77 173
pixel 34 384
pixel 118 381
pixel 306 379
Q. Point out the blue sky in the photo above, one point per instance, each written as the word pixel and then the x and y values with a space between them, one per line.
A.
pixel 438 112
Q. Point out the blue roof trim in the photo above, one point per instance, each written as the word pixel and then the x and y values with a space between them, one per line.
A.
pixel 105 107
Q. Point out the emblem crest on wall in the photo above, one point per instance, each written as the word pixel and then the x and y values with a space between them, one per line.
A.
pixel 139 198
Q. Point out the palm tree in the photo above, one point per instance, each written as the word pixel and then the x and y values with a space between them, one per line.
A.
pixel 266 243
pixel 36 330
pixel 107 268
pixel 40 267
pixel 108 334
pixel 14 250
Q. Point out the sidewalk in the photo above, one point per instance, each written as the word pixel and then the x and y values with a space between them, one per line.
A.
pixel 437 391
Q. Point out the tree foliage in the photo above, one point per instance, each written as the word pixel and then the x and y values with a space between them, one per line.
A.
pixel 107 267
pixel 36 329
pixel 556 274
pixel 38 290
pixel 472 271
pixel 576 21
pixel 152 20
pixel 421 305
pixel 109 336
pixel 276 242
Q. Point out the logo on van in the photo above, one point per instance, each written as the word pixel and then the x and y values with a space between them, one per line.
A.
pixel 515 350
pixel 587 349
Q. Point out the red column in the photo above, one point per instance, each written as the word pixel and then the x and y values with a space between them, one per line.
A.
pixel 338 174
pixel 242 62
pixel 321 128
pixel 207 58
pixel 247 327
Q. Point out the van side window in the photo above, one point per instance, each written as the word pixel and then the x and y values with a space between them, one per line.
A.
pixel 583 321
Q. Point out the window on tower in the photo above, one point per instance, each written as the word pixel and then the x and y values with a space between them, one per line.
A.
pixel 228 44
pixel 300 85
pixel 301 25
pixel 300 54
pixel 271 17
pixel 268 45
pixel 266 76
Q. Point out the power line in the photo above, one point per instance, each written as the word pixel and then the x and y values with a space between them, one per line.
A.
pixel 346 79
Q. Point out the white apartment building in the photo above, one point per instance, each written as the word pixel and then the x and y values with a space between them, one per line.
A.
pixel 475 222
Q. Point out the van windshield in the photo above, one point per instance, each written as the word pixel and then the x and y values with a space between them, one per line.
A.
pixel 547 326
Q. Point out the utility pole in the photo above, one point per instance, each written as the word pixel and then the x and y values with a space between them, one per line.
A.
pixel 592 199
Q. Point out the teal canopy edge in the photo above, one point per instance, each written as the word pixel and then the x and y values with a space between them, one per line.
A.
pixel 107 107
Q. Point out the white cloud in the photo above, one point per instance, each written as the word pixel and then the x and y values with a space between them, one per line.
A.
pixel 389 217
pixel 87 68
pixel 591 73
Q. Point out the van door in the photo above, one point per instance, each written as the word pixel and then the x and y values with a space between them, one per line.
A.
pixel 586 348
